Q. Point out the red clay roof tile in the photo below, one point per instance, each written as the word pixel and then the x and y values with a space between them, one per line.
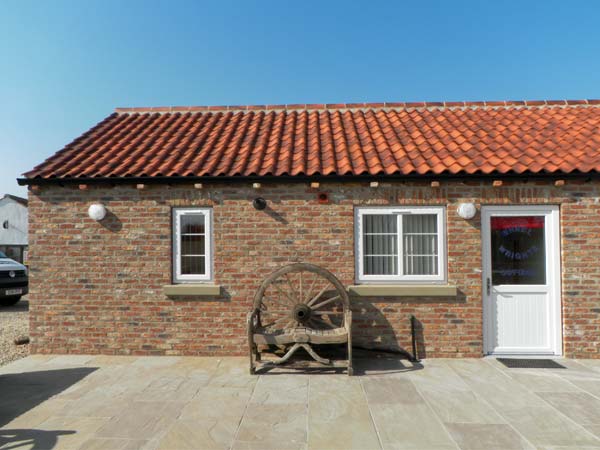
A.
pixel 427 138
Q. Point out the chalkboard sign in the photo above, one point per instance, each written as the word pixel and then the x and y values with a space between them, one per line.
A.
pixel 518 250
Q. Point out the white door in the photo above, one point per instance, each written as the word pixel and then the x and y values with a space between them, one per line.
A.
pixel 521 280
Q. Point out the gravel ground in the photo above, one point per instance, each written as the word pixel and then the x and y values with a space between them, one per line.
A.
pixel 14 322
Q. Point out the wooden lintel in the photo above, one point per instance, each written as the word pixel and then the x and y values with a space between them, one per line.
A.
pixel 497 183
pixel 256 185
pixel 314 185
pixel 435 184
pixel 559 183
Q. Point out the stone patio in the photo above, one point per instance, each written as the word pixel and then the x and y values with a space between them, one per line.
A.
pixel 125 403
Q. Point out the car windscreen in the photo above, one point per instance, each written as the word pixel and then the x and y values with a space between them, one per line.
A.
pixel 2 255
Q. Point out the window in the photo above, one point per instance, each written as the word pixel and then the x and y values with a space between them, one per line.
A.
pixel 192 236
pixel 400 244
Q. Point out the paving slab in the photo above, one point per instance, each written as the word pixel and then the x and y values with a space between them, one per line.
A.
pixel 497 388
pixel 114 444
pixel 461 407
pixel 404 426
pixel 450 397
pixel 580 407
pixel 215 403
pixel 141 420
pixel 72 431
pixel 281 389
pixel 138 403
pixel 470 436
pixel 203 434
pixel 272 423
pixel 544 425
pixel 339 415
pixel 544 382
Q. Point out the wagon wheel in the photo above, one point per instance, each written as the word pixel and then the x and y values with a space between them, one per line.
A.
pixel 301 295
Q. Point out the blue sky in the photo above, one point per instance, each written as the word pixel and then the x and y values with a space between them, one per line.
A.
pixel 65 65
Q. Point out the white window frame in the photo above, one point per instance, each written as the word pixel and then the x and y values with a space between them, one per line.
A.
pixel 178 277
pixel 439 211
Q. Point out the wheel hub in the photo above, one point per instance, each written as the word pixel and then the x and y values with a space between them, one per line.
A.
pixel 301 313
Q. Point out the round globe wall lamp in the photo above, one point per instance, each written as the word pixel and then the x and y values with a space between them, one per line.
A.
pixel 97 211
pixel 466 210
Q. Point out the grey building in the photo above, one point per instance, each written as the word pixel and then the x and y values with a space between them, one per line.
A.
pixel 13 227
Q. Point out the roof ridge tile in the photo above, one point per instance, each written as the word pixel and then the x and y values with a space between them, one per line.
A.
pixel 351 106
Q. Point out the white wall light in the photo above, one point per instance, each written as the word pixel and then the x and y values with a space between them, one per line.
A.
pixel 466 210
pixel 97 211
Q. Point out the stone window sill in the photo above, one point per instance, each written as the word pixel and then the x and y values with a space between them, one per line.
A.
pixel 173 290
pixel 407 290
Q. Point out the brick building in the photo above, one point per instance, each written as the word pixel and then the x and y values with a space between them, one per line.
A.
pixel 478 218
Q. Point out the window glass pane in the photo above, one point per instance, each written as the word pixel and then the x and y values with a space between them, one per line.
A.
pixel 380 223
pixel 192 244
pixel 420 265
pixel 380 244
pixel 518 250
pixel 192 223
pixel 192 265
pixel 381 265
pixel 419 223
pixel 13 253
pixel 420 242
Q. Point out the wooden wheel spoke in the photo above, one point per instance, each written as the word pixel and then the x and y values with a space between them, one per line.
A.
pixel 276 300
pixel 273 306
pixel 310 289
pixel 300 296
pixel 276 321
pixel 281 291
pixel 295 293
pixel 318 296
pixel 322 322
pixel 326 302
pixel 323 313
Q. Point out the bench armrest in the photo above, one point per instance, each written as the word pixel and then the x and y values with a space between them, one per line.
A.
pixel 348 319
pixel 250 318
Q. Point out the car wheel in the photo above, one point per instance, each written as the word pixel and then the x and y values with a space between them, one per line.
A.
pixel 9 301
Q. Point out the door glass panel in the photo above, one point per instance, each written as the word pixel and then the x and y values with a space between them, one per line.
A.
pixel 518 250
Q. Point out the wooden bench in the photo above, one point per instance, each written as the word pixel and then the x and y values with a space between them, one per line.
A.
pixel 295 307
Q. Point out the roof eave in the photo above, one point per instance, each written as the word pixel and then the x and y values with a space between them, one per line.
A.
pixel 301 178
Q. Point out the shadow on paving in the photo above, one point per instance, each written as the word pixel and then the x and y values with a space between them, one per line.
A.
pixel 373 362
pixel 365 362
pixel 30 439
pixel 20 392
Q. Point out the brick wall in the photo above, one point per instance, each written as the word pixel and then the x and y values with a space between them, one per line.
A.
pixel 97 287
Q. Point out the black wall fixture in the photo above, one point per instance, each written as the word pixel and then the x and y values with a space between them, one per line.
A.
pixel 259 203
pixel 323 198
